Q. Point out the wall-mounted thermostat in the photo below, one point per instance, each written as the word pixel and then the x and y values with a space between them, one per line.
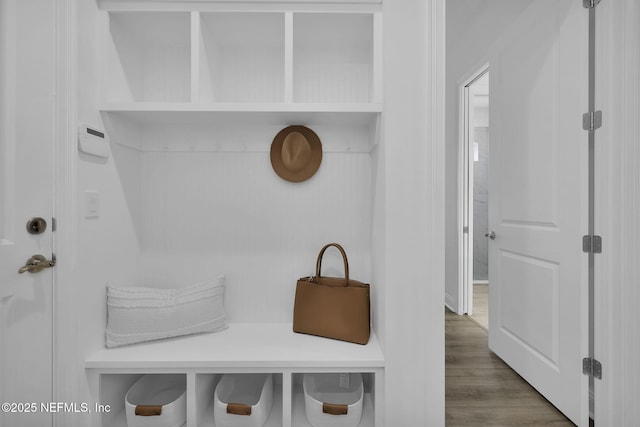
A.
pixel 92 140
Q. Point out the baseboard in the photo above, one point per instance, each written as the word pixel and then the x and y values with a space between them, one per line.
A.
pixel 449 305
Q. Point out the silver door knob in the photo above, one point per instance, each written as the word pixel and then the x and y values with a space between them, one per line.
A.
pixel 491 235
pixel 36 264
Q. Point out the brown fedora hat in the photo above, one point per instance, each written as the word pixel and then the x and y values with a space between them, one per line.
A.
pixel 296 153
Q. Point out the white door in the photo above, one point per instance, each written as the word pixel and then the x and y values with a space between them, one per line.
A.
pixel 27 128
pixel 538 202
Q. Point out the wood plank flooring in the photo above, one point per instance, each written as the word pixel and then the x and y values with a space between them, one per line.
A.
pixel 481 390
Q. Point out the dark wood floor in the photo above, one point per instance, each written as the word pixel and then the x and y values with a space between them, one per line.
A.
pixel 481 390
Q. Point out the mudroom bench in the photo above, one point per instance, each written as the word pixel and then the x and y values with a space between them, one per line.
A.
pixel 242 348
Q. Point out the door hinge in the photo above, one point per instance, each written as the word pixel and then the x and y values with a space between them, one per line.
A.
pixel 592 244
pixel 592 120
pixel 590 4
pixel 592 368
pixel 465 229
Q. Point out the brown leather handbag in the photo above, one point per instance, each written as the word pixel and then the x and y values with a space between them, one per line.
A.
pixel 332 307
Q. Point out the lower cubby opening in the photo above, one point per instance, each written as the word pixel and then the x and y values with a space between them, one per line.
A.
pixel 200 399
pixel 299 416
pixel 113 391
pixel 201 402
pixel 205 389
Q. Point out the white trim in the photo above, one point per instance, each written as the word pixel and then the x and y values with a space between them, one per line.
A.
pixel 437 94
pixel 465 191
pixel 449 304
pixel 240 5
pixel 65 363
pixel 414 242
pixel 617 197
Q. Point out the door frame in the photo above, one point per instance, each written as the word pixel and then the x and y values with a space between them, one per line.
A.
pixel 63 356
pixel 616 212
pixel 66 359
pixel 465 189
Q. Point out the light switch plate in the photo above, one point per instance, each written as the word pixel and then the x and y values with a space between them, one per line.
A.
pixel 91 204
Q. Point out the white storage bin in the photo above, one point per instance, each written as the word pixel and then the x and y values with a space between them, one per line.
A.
pixel 333 400
pixel 243 400
pixel 157 401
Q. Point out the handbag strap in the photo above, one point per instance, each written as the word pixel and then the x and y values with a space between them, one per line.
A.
pixel 344 258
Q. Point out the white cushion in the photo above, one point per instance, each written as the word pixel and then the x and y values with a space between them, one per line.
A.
pixel 137 314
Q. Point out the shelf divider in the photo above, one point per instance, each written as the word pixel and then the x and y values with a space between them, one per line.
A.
pixel 191 398
pixel 377 58
pixel 287 389
pixel 288 57
pixel 195 56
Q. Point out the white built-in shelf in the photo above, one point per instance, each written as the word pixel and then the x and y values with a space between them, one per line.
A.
pixel 192 62
pixel 178 107
pixel 227 76
pixel 264 346
pixel 277 114
pixel 242 348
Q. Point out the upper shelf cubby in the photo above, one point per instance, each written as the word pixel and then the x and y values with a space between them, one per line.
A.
pixel 241 61
pixel 148 57
pixel 333 57
pixel 241 57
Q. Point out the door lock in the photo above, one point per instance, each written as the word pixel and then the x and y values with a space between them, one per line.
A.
pixel 36 225
pixel 491 235
pixel 37 263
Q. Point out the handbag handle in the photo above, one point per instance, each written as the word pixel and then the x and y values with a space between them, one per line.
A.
pixel 344 258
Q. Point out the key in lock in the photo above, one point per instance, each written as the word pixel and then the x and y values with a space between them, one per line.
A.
pixel 37 263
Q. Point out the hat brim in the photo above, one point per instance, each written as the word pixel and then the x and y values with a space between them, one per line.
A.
pixel 315 157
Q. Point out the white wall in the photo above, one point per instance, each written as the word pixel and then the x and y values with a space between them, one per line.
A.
pixel 414 193
pixel 106 247
pixel 472 27
pixel 203 212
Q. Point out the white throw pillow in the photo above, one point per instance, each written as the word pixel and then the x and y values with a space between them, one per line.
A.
pixel 137 314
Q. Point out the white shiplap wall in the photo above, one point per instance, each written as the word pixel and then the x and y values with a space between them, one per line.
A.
pixel 205 213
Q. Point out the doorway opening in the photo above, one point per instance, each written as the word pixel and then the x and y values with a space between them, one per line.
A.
pixel 474 195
